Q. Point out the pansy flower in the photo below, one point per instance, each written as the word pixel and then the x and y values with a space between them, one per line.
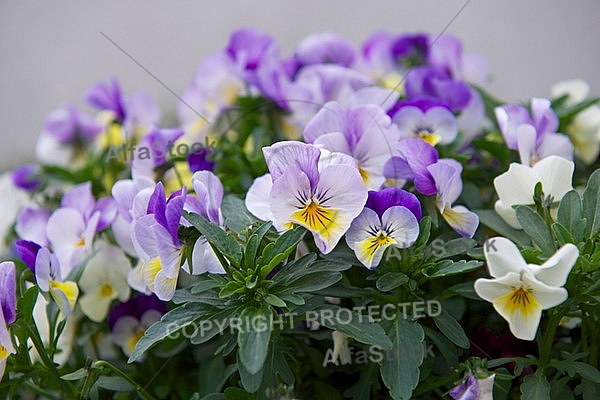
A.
pixel 390 218
pixel 304 188
pixel 418 161
pixel 50 281
pixel 104 279
pixel 517 185
pixel 128 321
pixel 520 291
pixel 533 135
pixel 8 310
pixel 425 118
pixel 364 132
pixel 155 238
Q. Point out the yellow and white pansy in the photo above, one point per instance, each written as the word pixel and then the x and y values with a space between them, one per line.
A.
pixel 520 291
pixel 104 279
pixel 50 281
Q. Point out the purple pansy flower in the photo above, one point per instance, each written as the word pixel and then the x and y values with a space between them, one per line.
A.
pixel 418 161
pixel 325 48
pixel 428 81
pixel 199 161
pixel 304 188
pixel 8 310
pixel 533 135
pixel 8 296
pixel 27 252
pixel 24 177
pixel 63 131
pixel 467 390
pixel 364 132
pixel 427 118
pixel 390 218
pixel 155 238
pixel 31 225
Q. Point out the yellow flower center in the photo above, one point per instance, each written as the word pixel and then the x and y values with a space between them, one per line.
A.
pixel 3 352
pixel 519 300
pixel 106 290
pixel 80 243
pixel 132 341
pixel 316 217
pixel 429 137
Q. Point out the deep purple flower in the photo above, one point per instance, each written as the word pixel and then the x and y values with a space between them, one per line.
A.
pixel 427 81
pixel 27 251
pixel 381 200
pixel 409 50
pixel 199 161
pixel 135 307
pixel 24 177
pixel 107 96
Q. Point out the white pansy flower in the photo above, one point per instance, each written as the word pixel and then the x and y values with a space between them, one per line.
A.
pixel 584 130
pixel 517 185
pixel 520 291
pixel 104 279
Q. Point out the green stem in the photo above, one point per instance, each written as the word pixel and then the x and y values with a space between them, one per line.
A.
pixel 139 389
pixel 39 346
pixel 42 392
pixel 545 344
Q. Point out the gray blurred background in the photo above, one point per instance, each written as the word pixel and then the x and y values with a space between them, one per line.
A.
pixel 51 52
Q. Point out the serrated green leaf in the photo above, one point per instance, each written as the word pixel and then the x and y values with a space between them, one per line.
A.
pixel 400 373
pixel 253 339
pixel 451 329
pixel 391 280
pixel 582 369
pixel 217 237
pixel 533 224
pixel 535 387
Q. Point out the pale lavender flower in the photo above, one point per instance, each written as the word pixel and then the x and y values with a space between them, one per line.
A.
pixel 533 135
pixel 426 118
pixel 467 390
pixel 49 278
pixel 8 310
pixel 364 132
pixel 305 189
pixel 325 48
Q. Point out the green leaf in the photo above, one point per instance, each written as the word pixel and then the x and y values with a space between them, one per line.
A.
pixel 26 303
pixel 582 369
pixel 253 244
pixel 400 373
pixel 424 231
pixel 273 255
pixel 391 280
pixel 204 286
pixel 493 221
pixel 253 337
pixel 237 217
pixel 223 242
pixel 561 234
pixel 535 387
pixel 465 289
pixel 449 267
pixel 533 224
pixel 76 375
pixel 591 204
pixel 358 327
pixel 307 283
pixel 234 393
pixel 212 324
pixel 451 329
pixel 570 211
pixel 445 346
pixel 250 382
pixel 361 390
pixel 170 323
pixel 452 247
pixel 274 300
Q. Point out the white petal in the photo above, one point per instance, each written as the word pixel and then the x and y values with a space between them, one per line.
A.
pixel 508 214
pixel 257 199
pixel 516 186
pixel 526 140
pixel 502 257
pixel 94 305
pixel 556 269
pixel 556 174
